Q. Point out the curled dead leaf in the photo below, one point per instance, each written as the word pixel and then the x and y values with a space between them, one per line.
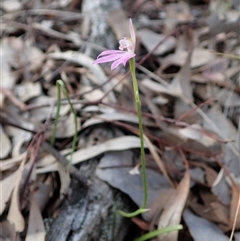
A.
pixel 172 212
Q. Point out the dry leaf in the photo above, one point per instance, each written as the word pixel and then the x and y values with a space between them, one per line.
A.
pixel 228 130
pixel 5 144
pixel 94 95
pixel 177 13
pixel 9 163
pixel 233 207
pixel 40 114
pixel 7 185
pixel 201 229
pixel 150 40
pixel 118 21
pixel 195 132
pixel 141 223
pixel 66 126
pixel 8 55
pixel 113 170
pixel 14 215
pixel 157 87
pixel 87 62
pixel 11 5
pixel 181 83
pixel 36 230
pixel 200 57
pixel 42 195
pixel 116 144
pixel 157 159
pixel 28 90
pixel 181 108
pixel 64 179
pixel 126 117
pixel 7 232
pixel 172 212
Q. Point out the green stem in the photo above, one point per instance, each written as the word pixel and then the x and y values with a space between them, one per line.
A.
pixel 133 214
pixel 157 232
pixel 138 103
pixel 53 137
pixel 61 85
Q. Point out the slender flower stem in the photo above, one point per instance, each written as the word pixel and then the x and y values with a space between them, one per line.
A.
pixel 143 208
pixel 138 103
pixel 53 137
pixel 61 85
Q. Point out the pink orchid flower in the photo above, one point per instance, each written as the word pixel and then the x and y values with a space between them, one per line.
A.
pixel 126 52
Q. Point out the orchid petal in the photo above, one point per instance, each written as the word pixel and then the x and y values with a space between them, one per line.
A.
pixel 132 32
pixel 123 60
pixel 115 64
pixel 106 52
pixel 108 58
pixel 126 52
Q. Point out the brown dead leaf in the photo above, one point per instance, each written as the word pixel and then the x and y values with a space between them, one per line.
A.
pixel 8 55
pixel 7 232
pixel 180 110
pixel 7 185
pixel 36 230
pixel 94 95
pixel 157 205
pixel 228 23
pixel 11 5
pixel 200 57
pixel 203 211
pixel 221 212
pixel 181 83
pixel 5 144
pixel 64 179
pixel 66 126
pixel 116 144
pixel 31 57
pixel 172 212
pixel 141 223
pixel 114 168
pixel 9 163
pixel 14 215
pixel 110 117
pixel 42 195
pixel 233 207
pixel 177 13
pixel 157 87
pixel 28 90
pixel 228 130
pixel 210 173
pixel 216 211
pixel 150 40
pixel 215 71
pixel 40 114
pixel 195 132
pixel 157 159
pixel 201 229
pixel 118 21
pixel 87 62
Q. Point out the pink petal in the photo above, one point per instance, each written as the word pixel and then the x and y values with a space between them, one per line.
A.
pixel 123 60
pixel 132 32
pixel 115 64
pixel 108 58
pixel 110 52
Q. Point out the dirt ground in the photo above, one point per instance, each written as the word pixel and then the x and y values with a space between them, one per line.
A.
pixel 70 148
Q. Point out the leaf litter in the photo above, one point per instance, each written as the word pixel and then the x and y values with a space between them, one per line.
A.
pixel 190 96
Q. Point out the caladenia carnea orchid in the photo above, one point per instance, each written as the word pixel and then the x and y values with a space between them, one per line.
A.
pixel 122 56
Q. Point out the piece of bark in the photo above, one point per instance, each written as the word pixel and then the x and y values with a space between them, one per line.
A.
pixel 99 33
pixel 90 214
